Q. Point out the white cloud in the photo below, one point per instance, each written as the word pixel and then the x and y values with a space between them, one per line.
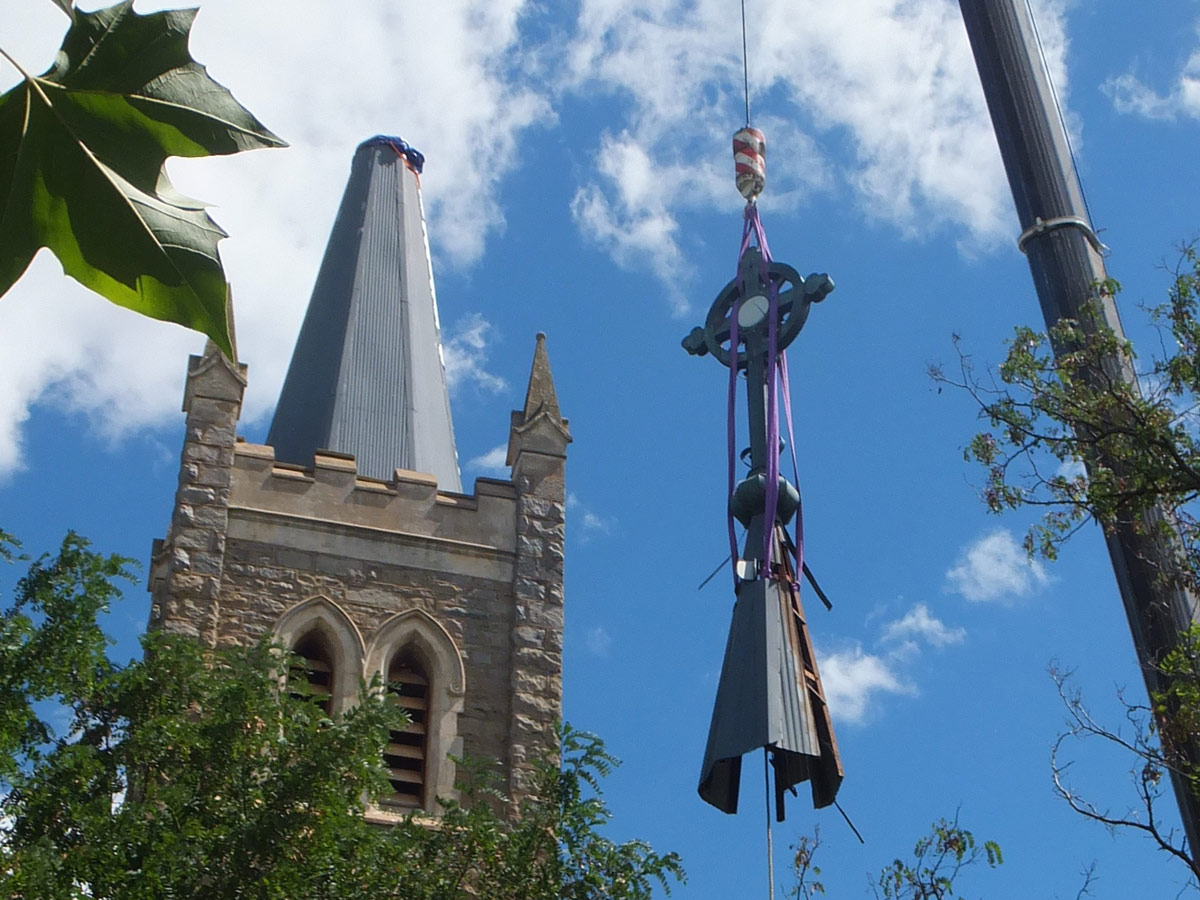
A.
pixel 590 524
pixel 598 641
pixel 63 346
pixel 893 79
pixel 492 461
pixel 853 678
pixel 445 76
pixel 632 220
pixel 465 355
pixel 1071 469
pixel 996 568
pixel 920 623
pixel 1130 94
pixel 593 523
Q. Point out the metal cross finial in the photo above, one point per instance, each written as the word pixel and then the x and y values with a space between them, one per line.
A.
pixel 749 291
pixel 747 296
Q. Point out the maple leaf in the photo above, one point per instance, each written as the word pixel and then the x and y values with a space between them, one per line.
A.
pixel 66 6
pixel 82 154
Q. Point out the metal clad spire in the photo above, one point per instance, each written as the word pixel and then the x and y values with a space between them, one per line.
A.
pixel 367 376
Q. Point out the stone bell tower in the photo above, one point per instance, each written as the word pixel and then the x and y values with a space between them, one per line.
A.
pixel 348 537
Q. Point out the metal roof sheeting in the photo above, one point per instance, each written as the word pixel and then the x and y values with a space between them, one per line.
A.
pixel 767 698
pixel 367 376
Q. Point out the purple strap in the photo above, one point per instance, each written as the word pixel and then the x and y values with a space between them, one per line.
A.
pixel 731 404
pixel 777 378
pixel 772 474
pixel 772 442
pixel 798 541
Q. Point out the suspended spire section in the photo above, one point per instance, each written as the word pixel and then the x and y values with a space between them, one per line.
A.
pixel 367 376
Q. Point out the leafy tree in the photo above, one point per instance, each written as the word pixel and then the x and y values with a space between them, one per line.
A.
pixel 938 859
pixel 1048 415
pixel 806 872
pixel 937 862
pixel 190 773
pixel 83 149
pixel 51 645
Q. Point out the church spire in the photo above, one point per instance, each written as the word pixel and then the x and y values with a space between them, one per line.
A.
pixel 367 376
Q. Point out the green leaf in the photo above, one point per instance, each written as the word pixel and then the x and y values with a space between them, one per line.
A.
pixel 66 6
pixel 82 155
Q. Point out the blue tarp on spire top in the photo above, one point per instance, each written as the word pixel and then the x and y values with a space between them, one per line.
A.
pixel 415 157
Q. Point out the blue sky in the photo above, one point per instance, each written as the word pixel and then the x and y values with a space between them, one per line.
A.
pixel 579 183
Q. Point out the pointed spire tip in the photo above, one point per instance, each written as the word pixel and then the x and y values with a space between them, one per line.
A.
pixel 540 409
pixel 540 395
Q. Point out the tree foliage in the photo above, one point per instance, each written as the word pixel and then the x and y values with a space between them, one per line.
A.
pixel 51 645
pixel 66 6
pixel 83 149
pixel 938 860
pixel 190 773
pixel 806 872
pixel 1070 434
pixel 1067 435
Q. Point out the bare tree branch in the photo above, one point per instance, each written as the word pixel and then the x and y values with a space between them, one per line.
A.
pixel 1147 774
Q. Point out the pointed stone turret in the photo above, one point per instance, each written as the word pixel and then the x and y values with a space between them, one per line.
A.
pixel 540 396
pixel 538 427
pixel 367 376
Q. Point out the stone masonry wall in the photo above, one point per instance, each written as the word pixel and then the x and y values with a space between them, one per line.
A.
pixel 538 624
pixel 186 574
pixel 262 582
pixel 222 576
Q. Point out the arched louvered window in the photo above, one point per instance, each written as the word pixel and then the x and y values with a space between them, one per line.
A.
pixel 420 661
pixel 314 667
pixel 407 750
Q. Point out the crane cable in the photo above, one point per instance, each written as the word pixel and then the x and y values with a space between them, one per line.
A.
pixel 745 65
pixel 750 170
